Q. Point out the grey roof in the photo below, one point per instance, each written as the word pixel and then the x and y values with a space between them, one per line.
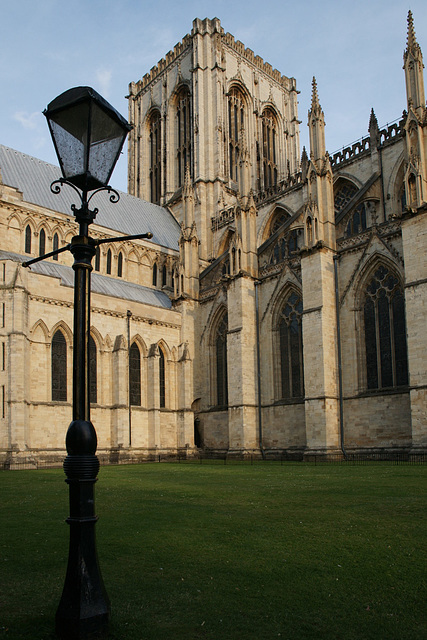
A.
pixel 130 215
pixel 99 284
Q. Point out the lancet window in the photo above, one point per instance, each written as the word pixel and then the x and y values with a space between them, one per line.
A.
pixel 55 246
pixel 42 242
pixel 291 352
pixel 269 142
pixel 59 367
pixel 155 157
pixel 286 247
pixel 236 122
pixel 221 362
pixel 358 220
pixel 120 265
pixel 109 261
pixel 183 125
pixel 385 331
pixel 162 386
pixel 135 375
pixel 92 371
pixel 28 239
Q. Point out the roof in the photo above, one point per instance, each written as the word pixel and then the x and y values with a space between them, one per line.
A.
pixel 99 284
pixel 130 215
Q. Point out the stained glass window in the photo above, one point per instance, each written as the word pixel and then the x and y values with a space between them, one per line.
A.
pixel 221 362
pixel 135 375
pixel 291 354
pixel 162 386
pixel 385 331
pixel 59 367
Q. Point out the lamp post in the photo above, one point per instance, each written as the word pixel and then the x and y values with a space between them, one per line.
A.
pixel 88 135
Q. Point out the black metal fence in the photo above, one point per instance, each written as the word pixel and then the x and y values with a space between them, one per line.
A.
pixel 206 458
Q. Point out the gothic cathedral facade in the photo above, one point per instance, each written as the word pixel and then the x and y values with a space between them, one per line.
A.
pixel 288 290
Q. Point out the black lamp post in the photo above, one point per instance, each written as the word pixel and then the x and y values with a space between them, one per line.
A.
pixel 88 135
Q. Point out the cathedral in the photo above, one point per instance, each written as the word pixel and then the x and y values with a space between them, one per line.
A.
pixel 279 308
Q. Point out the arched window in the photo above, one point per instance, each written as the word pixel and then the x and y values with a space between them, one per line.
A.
pixel 155 274
pixel 59 367
pixel 162 386
pixel 28 239
pixel 291 354
pixel 183 126
pixel 155 157
pixel 42 242
pixel 385 331
pixel 109 261
pixel 97 258
pixel 269 141
pixel 344 193
pixel 92 371
pixel 236 122
pixel 221 362
pixel 135 375
pixel 120 265
pixel 164 275
pixel 358 220
pixel 55 245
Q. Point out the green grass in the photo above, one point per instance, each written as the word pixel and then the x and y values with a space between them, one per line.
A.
pixel 230 552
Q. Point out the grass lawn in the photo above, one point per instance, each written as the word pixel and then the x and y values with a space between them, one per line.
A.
pixel 232 552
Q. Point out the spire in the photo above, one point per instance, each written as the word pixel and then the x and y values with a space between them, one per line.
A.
pixel 373 129
pixel 316 123
pixel 413 66
pixel 411 42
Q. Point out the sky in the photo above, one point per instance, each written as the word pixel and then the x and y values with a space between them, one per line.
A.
pixel 354 48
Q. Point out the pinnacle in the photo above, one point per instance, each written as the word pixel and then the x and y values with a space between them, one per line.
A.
pixel 411 43
pixel 373 122
pixel 314 95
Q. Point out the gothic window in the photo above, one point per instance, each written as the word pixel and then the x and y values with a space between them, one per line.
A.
pixel 343 195
pixel 291 353
pixel 55 246
pixel 280 218
pixel 92 371
pixel 221 362
pixel 164 275
pixel 28 239
pixel 269 142
pixel 120 265
pixel 155 157
pixel 286 247
pixel 42 242
pixel 183 124
pixel 97 258
pixel 162 386
pixel 135 375
pixel 357 222
pixel 155 274
pixel 236 119
pixel 109 261
pixel 385 331
pixel 59 367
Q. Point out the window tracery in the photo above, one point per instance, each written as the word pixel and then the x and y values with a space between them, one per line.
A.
pixel 183 122
pixel 385 331
pixel 291 349
pixel 269 141
pixel 155 157
pixel 343 195
pixel 221 362
pixel 236 121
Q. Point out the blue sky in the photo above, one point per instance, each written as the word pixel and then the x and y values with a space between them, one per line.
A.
pixel 353 47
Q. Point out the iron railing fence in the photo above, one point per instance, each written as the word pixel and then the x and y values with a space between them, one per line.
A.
pixel 247 459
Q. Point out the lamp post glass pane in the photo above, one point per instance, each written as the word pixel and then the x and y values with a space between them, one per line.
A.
pixel 106 140
pixel 69 131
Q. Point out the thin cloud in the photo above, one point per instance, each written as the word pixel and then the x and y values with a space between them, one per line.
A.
pixel 28 120
pixel 103 78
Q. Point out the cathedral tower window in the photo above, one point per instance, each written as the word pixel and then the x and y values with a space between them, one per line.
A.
pixel 155 157
pixel 92 371
pixel 59 367
pixel 291 352
pixel 42 242
pixel 236 122
pixel 162 386
pixel 221 362
pixel 183 127
pixel 135 375
pixel 269 143
pixel 28 239
pixel 55 246
pixel 385 331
